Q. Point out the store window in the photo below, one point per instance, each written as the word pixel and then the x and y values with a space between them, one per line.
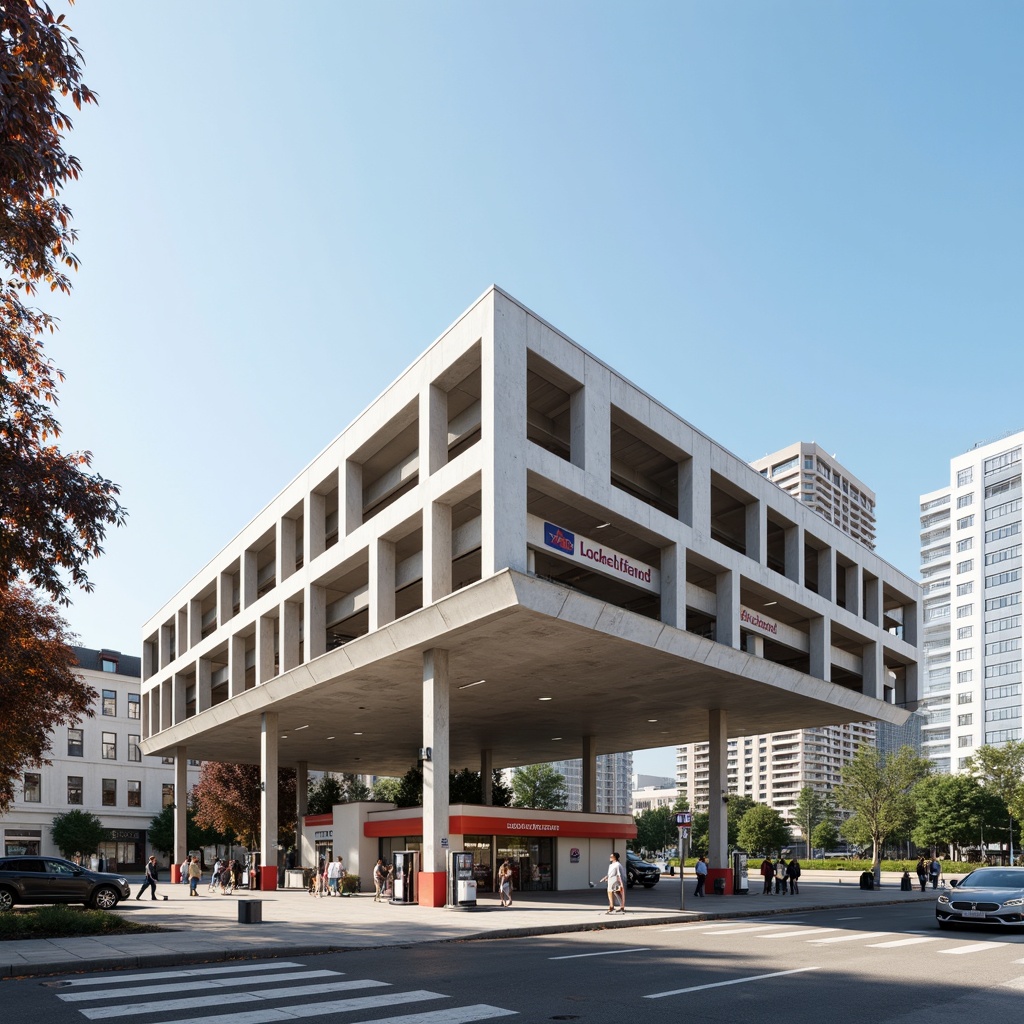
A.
pixel 531 860
pixel 482 848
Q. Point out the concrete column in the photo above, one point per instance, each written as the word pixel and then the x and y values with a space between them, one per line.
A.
pixel 166 690
pixel 314 531
pixel 236 665
pixel 727 608
pixel 589 774
pixel 147 716
pixel 590 422
pixel 912 615
pixel 350 500
pixel 314 622
pixel 873 677
pixel 150 656
pixel 225 597
pixel 195 622
pixel 166 643
pixel 821 647
pixel 180 804
pixel 757 532
pixel 433 431
pixel 181 632
pixel 718 790
pixel 754 645
pixel 486 771
pixel 204 685
pixel 873 600
pixel 827 573
pixel 265 649
pixel 854 586
pixel 437 552
pixel 290 625
pixel 382 583
pixel 247 578
pixel 436 687
pixel 268 798
pixel 178 698
pixel 286 541
pixel 301 806
pixel 695 494
pixel 673 585
pixel 794 554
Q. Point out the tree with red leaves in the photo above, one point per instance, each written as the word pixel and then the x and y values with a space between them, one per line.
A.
pixel 227 798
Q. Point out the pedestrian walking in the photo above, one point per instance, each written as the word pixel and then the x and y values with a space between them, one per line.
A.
pixel 218 866
pixel 380 874
pixel 934 871
pixel 195 873
pixel 333 877
pixel 767 873
pixel 793 874
pixel 922 873
pixel 701 870
pixel 616 884
pixel 152 877
pixel 184 869
pixel 505 883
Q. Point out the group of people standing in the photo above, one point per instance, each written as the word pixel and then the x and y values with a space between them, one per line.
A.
pixel 785 877
pixel 928 871
pixel 329 879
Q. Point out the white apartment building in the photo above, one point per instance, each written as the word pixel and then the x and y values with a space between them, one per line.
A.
pixel 652 791
pixel 614 782
pixel 971 579
pixel 773 768
pixel 98 766
pixel 474 572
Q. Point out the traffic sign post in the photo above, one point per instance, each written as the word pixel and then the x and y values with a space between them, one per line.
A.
pixel 684 821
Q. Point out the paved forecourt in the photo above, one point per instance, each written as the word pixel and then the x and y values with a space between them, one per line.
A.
pixel 295 923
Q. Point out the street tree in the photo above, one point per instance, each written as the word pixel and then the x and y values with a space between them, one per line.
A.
pixel 464 787
pixel 54 512
pixel 386 789
pixel 811 808
pixel 77 832
pixel 227 798
pixel 699 834
pixel 952 810
pixel 655 830
pixel 538 786
pixel 763 830
pixel 161 831
pixel 323 794
pixel 738 807
pixel 1000 770
pixel 876 789
pixel 681 804
pixel 826 835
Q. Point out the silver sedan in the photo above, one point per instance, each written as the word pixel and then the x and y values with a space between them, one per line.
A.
pixel 985 896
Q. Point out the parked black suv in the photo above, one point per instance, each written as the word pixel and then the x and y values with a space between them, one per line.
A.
pixel 55 880
pixel 638 871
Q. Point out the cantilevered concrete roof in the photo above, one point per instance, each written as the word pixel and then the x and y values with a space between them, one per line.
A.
pixel 631 681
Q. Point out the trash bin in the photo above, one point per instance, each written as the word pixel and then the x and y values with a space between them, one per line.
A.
pixel 905 884
pixel 867 880
pixel 719 886
pixel 250 911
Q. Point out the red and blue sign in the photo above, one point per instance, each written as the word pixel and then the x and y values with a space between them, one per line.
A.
pixel 562 540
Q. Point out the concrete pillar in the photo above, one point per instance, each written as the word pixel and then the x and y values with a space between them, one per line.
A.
pixel 912 622
pixel 350 501
pixel 149 659
pixel 695 493
pixel 827 573
pixel 436 687
pixel 873 678
pixel 590 422
pixel 301 806
pixel 854 587
pixel 265 629
pixel 290 626
pixel 794 554
pixel 437 552
pixel 166 690
pixel 673 585
pixel 873 600
pixel 727 608
pixel 204 685
pixel 486 771
pixel 589 774
pixel 166 643
pixel 268 799
pixel 754 645
pixel 382 583
pixel 821 647
pixel 247 578
pixel 225 597
pixel 195 622
pixel 314 530
pixel 718 790
pixel 287 537
pixel 147 716
pixel 178 698
pixel 314 622
pixel 757 532
pixel 180 804
pixel 433 431
pixel 181 632
pixel 236 665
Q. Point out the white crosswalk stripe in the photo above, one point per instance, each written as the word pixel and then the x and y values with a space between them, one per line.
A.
pixel 977 947
pixel 848 938
pixel 200 989
pixel 913 941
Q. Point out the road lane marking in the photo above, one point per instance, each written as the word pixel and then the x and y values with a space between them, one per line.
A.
pixel 800 933
pixel 718 984
pixel 1015 982
pixel 610 952
pixel 742 930
pixel 904 942
pixel 976 948
pixel 189 986
pixel 197 972
pixel 218 999
pixel 849 938
pixel 848 918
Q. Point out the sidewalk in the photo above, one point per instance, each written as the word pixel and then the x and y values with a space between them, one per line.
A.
pixel 297 924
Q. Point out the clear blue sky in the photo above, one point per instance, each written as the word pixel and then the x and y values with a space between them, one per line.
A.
pixel 787 221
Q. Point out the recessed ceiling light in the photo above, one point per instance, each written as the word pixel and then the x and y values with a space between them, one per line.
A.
pixel 285 736
pixel 299 728
pixel 554 738
pixel 357 734
pixel 602 526
pixel 330 737
pixel 545 698
pixel 466 686
pixel 768 604
pixel 651 719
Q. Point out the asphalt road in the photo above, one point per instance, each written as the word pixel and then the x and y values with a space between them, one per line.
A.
pixel 878 964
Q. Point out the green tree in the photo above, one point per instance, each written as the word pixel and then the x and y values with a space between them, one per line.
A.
pixel 227 799
pixel 811 807
pixel 655 830
pixel 826 835
pixel 762 830
pixel 738 807
pixel 323 794
pixel 538 786
pixel 1000 770
pixel 464 787
pixel 951 810
pixel 53 512
pixel 681 804
pixel 386 789
pixel 353 788
pixel 876 790
pixel 77 832
pixel 161 831
pixel 699 834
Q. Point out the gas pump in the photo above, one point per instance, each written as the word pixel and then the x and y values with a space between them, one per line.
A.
pixel 461 883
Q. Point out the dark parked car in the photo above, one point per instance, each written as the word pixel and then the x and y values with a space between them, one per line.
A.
pixel 639 872
pixel 55 880
pixel 985 896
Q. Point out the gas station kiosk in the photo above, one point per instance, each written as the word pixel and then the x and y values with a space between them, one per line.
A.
pixel 461 882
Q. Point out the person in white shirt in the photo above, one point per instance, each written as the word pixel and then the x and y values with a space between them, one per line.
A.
pixel 616 884
pixel 333 876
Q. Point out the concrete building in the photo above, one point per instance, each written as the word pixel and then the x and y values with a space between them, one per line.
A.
pixel 773 768
pixel 651 792
pixel 614 775
pixel 480 564
pixel 971 578
pixel 98 766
